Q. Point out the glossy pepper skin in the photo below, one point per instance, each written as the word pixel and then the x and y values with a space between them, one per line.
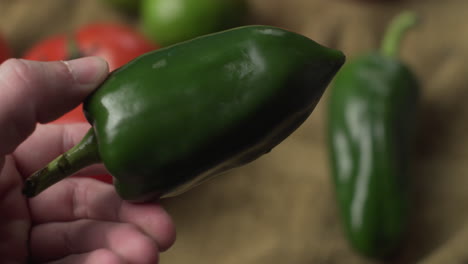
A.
pixel 372 113
pixel 175 117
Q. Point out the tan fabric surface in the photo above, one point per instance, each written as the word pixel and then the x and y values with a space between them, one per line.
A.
pixel 281 208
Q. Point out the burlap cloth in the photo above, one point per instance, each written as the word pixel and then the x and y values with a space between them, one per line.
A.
pixel 281 208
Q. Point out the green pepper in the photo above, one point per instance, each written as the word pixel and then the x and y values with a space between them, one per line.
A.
pixel 371 121
pixel 172 118
pixel 172 21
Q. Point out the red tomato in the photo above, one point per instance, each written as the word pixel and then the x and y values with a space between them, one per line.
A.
pixel 50 49
pixel 4 50
pixel 117 44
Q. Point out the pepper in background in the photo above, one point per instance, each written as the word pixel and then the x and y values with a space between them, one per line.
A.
pixel 173 118
pixel 117 44
pixel 371 121
pixel 4 50
pixel 171 21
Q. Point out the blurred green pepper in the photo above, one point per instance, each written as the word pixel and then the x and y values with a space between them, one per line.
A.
pixel 174 117
pixel 171 21
pixel 371 120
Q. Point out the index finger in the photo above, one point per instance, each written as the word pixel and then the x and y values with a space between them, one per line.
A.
pixel 32 92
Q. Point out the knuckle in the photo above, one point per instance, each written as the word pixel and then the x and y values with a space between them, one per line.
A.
pixel 17 70
pixel 14 63
pixel 18 122
pixel 78 203
pixel 17 79
pixel 66 72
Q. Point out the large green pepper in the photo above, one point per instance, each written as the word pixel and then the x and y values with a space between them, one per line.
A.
pixel 177 116
pixel 371 119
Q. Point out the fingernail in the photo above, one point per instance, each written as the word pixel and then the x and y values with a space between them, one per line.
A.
pixel 88 70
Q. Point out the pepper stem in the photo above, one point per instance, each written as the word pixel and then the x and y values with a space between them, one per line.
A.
pixel 397 28
pixel 85 153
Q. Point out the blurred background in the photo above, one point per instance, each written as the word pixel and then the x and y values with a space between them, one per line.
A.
pixel 282 208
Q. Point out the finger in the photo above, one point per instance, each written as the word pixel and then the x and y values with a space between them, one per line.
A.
pixel 46 143
pixel 57 240
pixel 75 199
pixel 14 215
pixel 34 92
pixel 101 256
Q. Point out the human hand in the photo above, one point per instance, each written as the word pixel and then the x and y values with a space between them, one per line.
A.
pixel 78 220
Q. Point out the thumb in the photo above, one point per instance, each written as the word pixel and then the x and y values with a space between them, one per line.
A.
pixel 32 92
